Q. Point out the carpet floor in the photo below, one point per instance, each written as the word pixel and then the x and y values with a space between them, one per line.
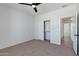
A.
pixel 37 48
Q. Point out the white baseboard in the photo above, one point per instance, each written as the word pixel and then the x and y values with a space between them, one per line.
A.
pixel 6 46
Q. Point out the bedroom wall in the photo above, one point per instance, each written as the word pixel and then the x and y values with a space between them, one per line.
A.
pixel 16 26
pixel 54 17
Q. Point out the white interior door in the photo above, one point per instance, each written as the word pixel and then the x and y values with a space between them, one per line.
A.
pixel 74 32
pixel 47 30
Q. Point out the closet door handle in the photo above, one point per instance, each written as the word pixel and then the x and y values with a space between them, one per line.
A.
pixel 76 34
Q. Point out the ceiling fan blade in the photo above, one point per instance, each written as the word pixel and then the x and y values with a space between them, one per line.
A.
pixel 26 4
pixel 35 9
pixel 36 4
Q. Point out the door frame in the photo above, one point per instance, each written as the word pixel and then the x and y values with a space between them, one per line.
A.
pixel 44 28
pixel 69 23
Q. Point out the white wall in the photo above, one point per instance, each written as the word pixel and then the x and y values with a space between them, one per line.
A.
pixel 54 17
pixel 16 26
pixel 67 30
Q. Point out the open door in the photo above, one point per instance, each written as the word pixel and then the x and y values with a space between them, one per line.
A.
pixel 47 30
pixel 78 34
pixel 74 32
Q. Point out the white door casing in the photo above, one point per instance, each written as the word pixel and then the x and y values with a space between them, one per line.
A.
pixel 74 32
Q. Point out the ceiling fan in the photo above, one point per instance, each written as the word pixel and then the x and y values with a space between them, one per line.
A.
pixel 33 5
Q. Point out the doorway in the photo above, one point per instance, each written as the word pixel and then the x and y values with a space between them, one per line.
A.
pixel 47 30
pixel 66 32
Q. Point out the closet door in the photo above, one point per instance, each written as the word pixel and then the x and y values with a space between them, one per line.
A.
pixel 47 30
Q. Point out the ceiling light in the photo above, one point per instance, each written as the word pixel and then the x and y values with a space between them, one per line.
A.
pixel 33 6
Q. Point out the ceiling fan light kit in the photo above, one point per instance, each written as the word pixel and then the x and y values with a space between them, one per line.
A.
pixel 33 6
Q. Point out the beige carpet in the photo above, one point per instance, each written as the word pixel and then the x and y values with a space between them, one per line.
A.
pixel 37 48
